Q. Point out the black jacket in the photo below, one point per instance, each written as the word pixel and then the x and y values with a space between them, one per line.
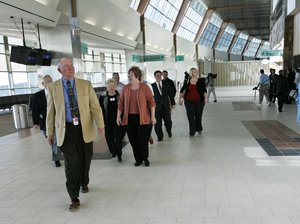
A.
pixel 172 86
pixel 201 87
pixel 104 104
pixel 166 98
pixel 39 109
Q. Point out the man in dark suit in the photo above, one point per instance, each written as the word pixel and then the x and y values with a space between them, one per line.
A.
pixel 164 97
pixel 169 81
pixel 39 111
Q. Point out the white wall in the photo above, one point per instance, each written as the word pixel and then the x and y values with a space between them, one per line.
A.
pixel 296 49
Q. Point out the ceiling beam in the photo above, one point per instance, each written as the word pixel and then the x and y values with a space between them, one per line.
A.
pixel 246 18
pixel 241 6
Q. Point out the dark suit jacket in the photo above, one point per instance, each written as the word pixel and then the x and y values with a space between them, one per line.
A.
pixel 172 85
pixel 39 109
pixel 164 100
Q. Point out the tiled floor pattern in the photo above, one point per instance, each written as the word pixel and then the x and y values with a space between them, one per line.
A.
pixel 274 137
pixel 220 177
pixel 244 105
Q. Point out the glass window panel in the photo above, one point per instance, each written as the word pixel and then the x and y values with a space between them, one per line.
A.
pixel 4 80
pixel 88 66
pixel 2 49
pixel 3 65
pixel 33 80
pixel 18 67
pixel 239 44
pixel 88 57
pixel 117 67
pixel 1 39
pixel 163 12
pixel 15 41
pixel 108 67
pixel 20 79
pixel 4 92
pixel 134 4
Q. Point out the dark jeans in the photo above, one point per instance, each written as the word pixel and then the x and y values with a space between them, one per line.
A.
pixel 56 152
pixel 281 99
pixel 78 156
pixel 160 115
pixel 138 136
pixel 194 112
pixel 114 139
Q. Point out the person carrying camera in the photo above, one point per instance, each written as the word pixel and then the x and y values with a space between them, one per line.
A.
pixel 263 87
pixel 210 82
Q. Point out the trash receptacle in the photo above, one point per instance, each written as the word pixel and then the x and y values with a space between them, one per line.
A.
pixel 20 115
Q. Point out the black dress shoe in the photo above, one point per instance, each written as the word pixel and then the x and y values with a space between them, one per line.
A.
pixel 85 189
pixel 147 163
pixel 57 164
pixel 170 134
pixel 113 155
pixel 120 158
pixel 74 204
pixel 137 163
pixel 159 139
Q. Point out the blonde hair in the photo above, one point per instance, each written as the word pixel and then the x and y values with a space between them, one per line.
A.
pixel 111 81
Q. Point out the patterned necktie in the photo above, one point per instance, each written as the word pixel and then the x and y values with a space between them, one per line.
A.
pixel 72 100
pixel 160 88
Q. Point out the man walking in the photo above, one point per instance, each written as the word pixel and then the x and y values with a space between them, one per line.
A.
pixel 72 109
pixel 164 96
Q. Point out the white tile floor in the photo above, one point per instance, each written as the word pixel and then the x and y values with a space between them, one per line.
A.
pixel 222 176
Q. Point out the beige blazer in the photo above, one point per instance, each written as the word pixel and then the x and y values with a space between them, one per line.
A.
pixel 89 109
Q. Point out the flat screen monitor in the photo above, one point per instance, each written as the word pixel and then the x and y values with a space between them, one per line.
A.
pixel 23 55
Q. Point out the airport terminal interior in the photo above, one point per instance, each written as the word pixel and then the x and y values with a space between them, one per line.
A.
pixel 243 168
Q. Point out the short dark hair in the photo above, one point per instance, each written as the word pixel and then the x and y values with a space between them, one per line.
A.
pixel 165 71
pixel 262 71
pixel 137 72
pixel 157 71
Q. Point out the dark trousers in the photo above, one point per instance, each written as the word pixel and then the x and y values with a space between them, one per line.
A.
pixel 281 99
pixel 138 136
pixel 78 156
pixel 160 115
pixel 114 139
pixel 194 112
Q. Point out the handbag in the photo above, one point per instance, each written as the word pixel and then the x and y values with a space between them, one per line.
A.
pixel 293 94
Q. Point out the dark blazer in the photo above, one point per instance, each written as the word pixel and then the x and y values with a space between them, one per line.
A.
pixel 39 109
pixel 167 97
pixel 280 85
pixel 172 85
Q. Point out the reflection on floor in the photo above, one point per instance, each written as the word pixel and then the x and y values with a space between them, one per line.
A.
pixel 274 137
pixel 245 105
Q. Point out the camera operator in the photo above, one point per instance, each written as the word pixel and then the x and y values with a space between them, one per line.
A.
pixel 210 83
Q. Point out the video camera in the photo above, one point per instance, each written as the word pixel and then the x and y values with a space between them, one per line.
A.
pixel 186 76
pixel 211 75
pixel 255 88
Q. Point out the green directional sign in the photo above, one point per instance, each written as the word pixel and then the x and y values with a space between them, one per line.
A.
pixel 84 48
pixel 137 58
pixel 159 57
pixel 179 58
pixel 153 57
pixel 270 53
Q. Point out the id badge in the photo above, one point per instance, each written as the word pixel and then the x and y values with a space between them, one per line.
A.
pixel 75 121
pixel 112 99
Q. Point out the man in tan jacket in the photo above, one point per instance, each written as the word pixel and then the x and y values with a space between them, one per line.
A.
pixel 72 110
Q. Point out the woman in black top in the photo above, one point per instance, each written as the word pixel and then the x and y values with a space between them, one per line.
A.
pixel 109 105
pixel 194 94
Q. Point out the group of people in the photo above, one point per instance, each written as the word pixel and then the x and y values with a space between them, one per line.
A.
pixel 278 86
pixel 68 112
